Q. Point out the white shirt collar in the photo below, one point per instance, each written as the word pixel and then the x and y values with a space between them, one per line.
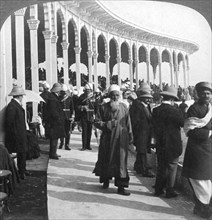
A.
pixel 18 101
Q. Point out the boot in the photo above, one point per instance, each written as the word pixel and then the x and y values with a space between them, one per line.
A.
pixel 106 184
pixel 202 210
pixel 171 193
pixel 122 191
pixel 67 143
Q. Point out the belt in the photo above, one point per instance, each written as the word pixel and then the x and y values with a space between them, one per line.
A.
pixel 66 110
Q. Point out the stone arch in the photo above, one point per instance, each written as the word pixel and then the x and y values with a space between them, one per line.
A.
pixel 75 32
pixel 94 42
pixel 154 60
pixel 88 36
pixel 63 24
pixel 46 16
pixel 84 46
pixel 166 56
pixel 113 54
pixel 142 54
pixel 125 56
pixel 102 48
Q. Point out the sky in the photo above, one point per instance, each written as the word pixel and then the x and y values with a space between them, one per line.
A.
pixel 176 21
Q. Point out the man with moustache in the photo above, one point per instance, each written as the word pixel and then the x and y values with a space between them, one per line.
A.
pixel 197 165
pixel 114 121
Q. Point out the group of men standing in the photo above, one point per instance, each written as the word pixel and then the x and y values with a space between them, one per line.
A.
pixel 121 126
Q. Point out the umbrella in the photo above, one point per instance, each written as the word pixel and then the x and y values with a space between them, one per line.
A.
pixel 32 96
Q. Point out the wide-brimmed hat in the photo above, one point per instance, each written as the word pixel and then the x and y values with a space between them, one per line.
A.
pixel 144 91
pixel 57 87
pixel 114 87
pixel 170 91
pixel 203 85
pixel 16 91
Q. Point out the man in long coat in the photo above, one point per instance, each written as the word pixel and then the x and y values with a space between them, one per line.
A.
pixel 54 120
pixel 15 129
pixel 114 121
pixel 141 118
pixel 197 165
pixel 167 122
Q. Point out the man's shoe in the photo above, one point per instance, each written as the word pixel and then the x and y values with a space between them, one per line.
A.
pixel 67 148
pixel 60 146
pixel 123 192
pixel 58 155
pixel 82 149
pixel 89 148
pixel 54 158
pixel 158 193
pixel 148 174
pixel 171 194
pixel 106 184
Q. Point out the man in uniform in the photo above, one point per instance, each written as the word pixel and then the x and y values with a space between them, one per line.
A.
pixel 68 108
pixel 86 108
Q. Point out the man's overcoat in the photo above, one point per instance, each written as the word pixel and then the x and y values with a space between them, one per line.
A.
pixel 198 156
pixel 55 118
pixel 114 142
pixel 15 128
pixel 141 125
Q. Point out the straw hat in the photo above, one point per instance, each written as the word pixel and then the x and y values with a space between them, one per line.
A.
pixel 203 85
pixel 56 87
pixel 170 91
pixel 16 91
pixel 113 87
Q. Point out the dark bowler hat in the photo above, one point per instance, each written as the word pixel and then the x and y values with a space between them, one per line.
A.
pixel 170 91
pixel 203 85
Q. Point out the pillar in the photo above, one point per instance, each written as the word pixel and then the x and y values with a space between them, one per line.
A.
pixel 33 26
pixel 131 73
pixel 171 72
pixel 95 55
pixel 47 36
pixel 147 72
pixel 54 58
pixel 65 61
pixel 78 72
pixel 90 80
pixel 136 74
pixel 20 52
pixel 107 57
pixel 184 74
pixel 118 70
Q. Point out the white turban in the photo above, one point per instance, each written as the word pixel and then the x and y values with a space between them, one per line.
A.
pixel 113 87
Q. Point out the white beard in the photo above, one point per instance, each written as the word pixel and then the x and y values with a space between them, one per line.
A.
pixel 114 105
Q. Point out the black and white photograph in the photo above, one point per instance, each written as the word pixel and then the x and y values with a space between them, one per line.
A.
pixel 105 109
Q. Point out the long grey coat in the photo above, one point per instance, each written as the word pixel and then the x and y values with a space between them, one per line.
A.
pixel 198 156
pixel 114 142
pixel 15 128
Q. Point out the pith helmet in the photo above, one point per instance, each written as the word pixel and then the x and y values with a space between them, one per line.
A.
pixel 56 87
pixel 170 91
pixel 46 85
pixel 144 91
pixel 16 91
pixel 64 87
pixel 203 85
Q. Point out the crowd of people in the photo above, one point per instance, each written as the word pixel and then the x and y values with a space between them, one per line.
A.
pixel 146 119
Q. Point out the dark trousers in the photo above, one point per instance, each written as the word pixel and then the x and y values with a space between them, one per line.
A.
pixel 53 147
pixel 67 125
pixel 166 172
pixel 86 133
pixel 141 165
pixel 119 182
pixel 21 162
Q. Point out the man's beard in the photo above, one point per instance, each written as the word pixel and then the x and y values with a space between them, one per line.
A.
pixel 114 105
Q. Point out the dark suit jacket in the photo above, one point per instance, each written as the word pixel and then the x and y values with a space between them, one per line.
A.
pixel 15 127
pixel 167 121
pixel 141 125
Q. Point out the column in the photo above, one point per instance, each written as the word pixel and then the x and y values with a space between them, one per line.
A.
pixel 47 36
pixel 171 72
pixel 54 58
pixel 147 72
pixel 118 69
pixel 65 61
pixel 78 72
pixel 184 74
pixel 33 26
pixel 20 52
pixel 131 74
pixel 136 74
pixel 188 78
pixel 95 55
pixel 160 75
pixel 107 57
pixel 90 80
